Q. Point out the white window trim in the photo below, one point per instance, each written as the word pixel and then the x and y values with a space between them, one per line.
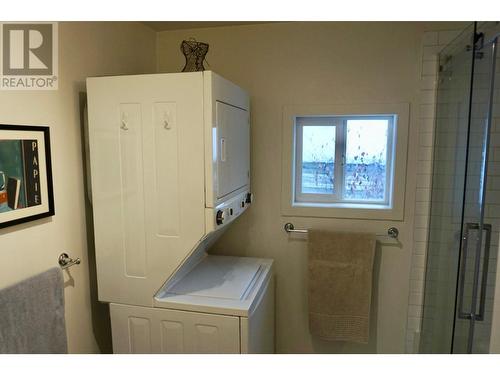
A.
pixel 340 123
pixel 345 209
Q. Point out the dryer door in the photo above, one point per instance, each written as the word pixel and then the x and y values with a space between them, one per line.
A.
pixel 233 149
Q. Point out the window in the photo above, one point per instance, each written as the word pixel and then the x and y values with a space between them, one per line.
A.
pixel 344 160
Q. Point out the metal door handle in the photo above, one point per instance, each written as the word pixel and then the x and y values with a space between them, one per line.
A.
pixel 463 265
pixel 222 149
pixel 484 279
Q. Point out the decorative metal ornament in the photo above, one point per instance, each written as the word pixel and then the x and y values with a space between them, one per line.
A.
pixel 195 53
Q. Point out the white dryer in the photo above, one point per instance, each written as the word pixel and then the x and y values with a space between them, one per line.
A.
pixel 170 171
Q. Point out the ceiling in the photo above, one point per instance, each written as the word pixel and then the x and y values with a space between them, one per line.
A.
pixel 177 25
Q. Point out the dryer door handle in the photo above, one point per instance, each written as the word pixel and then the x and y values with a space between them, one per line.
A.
pixel 223 149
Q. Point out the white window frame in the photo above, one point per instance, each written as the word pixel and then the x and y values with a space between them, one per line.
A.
pixel 340 124
pixel 346 209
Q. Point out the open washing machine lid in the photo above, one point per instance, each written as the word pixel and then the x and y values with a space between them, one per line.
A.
pixel 219 284
pixel 218 277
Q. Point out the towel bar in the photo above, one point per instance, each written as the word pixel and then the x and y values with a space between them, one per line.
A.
pixel 65 261
pixel 392 232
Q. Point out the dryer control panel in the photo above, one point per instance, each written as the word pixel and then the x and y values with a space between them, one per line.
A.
pixel 228 211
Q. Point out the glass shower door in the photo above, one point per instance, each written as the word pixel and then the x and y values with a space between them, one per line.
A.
pixel 457 315
pixel 473 323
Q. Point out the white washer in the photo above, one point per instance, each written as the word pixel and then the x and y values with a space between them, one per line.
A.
pixel 218 304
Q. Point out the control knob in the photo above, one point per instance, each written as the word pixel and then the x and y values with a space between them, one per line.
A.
pixel 249 198
pixel 220 217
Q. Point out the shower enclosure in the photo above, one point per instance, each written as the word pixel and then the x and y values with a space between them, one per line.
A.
pixel 465 196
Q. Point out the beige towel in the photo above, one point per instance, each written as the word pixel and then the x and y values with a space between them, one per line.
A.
pixel 340 284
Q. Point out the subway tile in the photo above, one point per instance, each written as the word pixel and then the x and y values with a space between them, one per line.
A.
pixel 409 346
pixel 420 234
pixel 417 286
pixel 420 247
pixel 414 311
pixel 427 124
pixel 422 208
pixel 429 68
pixel 418 260
pixel 426 139
pixel 496 124
pixel 494 182
pixel 421 221
pixel 417 274
pixel 424 167
pixel 423 195
pixel 426 111
pixel 430 53
pixel 495 139
pixel 493 210
pixel 428 83
pixel 425 153
pixel 416 299
pixel 423 181
pixel 427 97
pixel 493 197
pixel 413 323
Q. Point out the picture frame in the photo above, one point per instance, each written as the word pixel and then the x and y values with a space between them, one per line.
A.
pixel 26 187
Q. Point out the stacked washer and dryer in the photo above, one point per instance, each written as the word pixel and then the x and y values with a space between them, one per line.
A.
pixel 170 171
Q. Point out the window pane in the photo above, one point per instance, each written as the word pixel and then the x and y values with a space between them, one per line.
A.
pixel 318 157
pixel 365 167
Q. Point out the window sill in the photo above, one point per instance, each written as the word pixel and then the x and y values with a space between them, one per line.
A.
pixel 350 206
pixel 343 211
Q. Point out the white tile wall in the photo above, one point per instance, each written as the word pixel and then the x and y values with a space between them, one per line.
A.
pixel 432 43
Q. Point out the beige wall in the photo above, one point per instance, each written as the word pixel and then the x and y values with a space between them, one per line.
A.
pixel 320 63
pixel 85 49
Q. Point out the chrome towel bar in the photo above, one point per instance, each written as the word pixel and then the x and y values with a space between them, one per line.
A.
pixel 65 261
pixel 392 232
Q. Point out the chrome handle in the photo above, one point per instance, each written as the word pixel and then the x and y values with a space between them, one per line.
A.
pixel 484 279
pixel 2 184
pixel 463 268
pixel 223 149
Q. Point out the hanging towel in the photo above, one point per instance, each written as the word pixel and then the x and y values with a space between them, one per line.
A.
pixel 340 285
pixel 32 315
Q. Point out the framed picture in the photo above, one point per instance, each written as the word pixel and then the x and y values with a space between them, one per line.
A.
pixel 26 191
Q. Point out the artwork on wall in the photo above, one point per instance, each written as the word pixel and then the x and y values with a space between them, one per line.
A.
pixel 26 192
